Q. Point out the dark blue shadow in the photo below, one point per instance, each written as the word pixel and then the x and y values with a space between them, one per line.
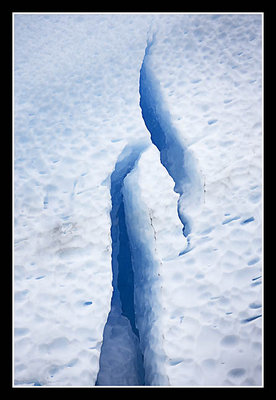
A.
pixel 123 276
pixel 173 155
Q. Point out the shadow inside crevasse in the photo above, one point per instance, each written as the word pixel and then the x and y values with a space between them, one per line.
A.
pixel 121 360
pixel 174 155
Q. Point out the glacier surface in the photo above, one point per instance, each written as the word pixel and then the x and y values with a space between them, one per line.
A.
pixel 137 200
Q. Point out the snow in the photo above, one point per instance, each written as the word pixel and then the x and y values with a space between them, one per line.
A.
pixel 137 200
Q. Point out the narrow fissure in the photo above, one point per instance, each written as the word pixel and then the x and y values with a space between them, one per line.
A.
pixel 121 359
pixel 174 156
pixel 125 282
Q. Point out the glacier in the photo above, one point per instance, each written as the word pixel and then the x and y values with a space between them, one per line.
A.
pixel 137 175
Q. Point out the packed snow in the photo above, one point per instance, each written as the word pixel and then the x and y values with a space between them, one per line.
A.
pixel 137 200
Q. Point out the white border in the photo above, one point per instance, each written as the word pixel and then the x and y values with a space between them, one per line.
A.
pixel 136 13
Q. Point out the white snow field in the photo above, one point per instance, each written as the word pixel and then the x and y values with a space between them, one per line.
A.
pixel 137 200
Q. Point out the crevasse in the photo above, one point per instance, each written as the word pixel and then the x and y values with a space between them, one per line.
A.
pixel 148 284
pixel 132 352
pixel 174 154
pixel 121 360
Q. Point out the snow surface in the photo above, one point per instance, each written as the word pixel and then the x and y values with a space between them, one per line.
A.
pixel 90 166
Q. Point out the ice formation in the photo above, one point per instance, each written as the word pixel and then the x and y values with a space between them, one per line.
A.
pixel 137 200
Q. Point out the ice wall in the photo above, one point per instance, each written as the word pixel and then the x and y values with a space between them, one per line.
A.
pixel 121 360
pixel 155 234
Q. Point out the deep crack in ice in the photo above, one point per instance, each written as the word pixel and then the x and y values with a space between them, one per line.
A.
pixel 121 348
pixel 174 155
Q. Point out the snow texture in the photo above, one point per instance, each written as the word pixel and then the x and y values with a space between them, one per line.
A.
pixel 137 200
